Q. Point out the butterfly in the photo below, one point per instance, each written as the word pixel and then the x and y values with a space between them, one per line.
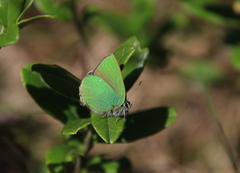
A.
pixel 102 90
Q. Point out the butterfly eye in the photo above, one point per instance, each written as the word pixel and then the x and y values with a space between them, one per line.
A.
pixel 127 104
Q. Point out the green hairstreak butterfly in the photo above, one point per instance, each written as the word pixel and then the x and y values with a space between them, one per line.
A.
pixel 102 90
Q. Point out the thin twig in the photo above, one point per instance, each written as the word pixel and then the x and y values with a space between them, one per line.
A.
pixel 87 141
pixel 77 166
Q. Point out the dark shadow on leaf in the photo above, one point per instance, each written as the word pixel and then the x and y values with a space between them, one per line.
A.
pixel 61 167
pixel 56 105
pixel 121 66
pixel 145 123
pixel 124 165
pixel 232 36
pixel 222 10
pixel 132 77
pixel 59 79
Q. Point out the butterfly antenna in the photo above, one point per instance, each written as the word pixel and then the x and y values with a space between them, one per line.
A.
pixel 135 89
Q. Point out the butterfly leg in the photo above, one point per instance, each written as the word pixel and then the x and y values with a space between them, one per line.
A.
pixel 117 119
pixel 104 116
pixel 107 114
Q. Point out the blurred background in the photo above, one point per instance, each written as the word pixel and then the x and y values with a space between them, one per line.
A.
pixel 190 43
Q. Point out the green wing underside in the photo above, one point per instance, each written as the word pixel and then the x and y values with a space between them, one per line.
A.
pixel 109 70
pixel 99 95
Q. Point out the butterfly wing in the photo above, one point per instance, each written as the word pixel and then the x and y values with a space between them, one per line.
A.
pixel 97 94
pixel 109 70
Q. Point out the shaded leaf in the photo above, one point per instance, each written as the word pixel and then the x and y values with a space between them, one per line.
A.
pixel 61 9
pixel 59 80
pixel 143 124
pixel 101 165
pixel 136 20
pixel 136 63
pixel 202 71
pixel 214 11
pixel 114 23
pixel 235 58
pixel 142 13
pixel 52 103
pixel 59 156
pixel 120 165
pixel 73 126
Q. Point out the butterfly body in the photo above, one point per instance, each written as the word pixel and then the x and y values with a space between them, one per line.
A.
pixel 119 111
pixel 102 90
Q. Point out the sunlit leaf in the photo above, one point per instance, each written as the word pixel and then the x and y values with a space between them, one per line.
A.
pixel 10 20
pixel 108 128
pixel 73 126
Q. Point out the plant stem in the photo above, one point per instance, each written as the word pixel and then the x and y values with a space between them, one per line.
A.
pixel 87 145
pixel 222 135
pixel 88 141
pixel 77 165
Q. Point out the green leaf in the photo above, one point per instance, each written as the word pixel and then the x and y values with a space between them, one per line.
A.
pixel 59 80
pixel 26 5
pixel 52 103
pixel 172 113
pixel 213 11
pixel 136 63
pixel 143 124
pixel 11 12
pixel 202 72
pixel 235 58
pixel 114 22
pixel 135 21
pixel 132 41
pixel 8 35
pixel 142 13
pixel 73 126
pixel 115 166
pixel 108 128
pixel 99 164
pixel 123 54
pixel 61 9
pixel 59 156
